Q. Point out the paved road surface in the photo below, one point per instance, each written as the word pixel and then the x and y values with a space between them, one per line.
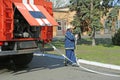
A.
pixel 45 68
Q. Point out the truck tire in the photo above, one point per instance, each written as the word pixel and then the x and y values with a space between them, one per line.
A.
pixel 22 60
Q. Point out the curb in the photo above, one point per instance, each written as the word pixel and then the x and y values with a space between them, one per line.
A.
pixel 109 66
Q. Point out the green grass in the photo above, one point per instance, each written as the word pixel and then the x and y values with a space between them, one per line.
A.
pixel 100 53
pixel 103 52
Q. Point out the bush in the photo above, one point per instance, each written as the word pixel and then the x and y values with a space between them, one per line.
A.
pixel 116 38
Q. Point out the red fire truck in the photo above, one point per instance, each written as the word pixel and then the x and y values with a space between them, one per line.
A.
pixel 22 24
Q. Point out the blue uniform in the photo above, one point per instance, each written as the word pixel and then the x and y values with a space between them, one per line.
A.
pixel 70 46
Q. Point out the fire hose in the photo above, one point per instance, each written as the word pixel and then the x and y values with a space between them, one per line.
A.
pixel 80 66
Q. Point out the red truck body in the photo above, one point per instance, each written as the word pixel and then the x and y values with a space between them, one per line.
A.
pixel 22 24
pixel 7 12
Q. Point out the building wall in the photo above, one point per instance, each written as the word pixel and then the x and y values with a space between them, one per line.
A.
pixel 64 14
pixel 117 23
pixel 63 17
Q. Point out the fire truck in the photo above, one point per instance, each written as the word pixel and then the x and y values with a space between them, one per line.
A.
pixel 24 23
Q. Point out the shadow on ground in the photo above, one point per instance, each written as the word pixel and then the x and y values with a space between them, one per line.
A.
pixel 38 63
pixel 45 62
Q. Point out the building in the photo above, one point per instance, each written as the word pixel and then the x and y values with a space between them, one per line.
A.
pixel 63 16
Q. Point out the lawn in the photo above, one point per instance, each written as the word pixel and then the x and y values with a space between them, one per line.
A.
pixel 103 52
pixel 99 53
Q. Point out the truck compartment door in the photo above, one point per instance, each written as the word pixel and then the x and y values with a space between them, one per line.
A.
pixel 35 15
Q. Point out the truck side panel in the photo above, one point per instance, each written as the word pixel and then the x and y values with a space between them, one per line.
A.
pixel 6 25
pixel 1 19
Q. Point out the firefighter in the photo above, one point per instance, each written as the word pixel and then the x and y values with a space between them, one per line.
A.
pixel 70 47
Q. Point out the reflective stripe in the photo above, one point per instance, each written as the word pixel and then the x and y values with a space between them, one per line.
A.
pixel 70 48
pixel 24 1
pixel 40 22
pixel 31 1
pixel 34 7
pixel 28 7
pixel 46 22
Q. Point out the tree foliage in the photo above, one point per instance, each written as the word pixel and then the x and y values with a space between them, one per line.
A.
pixel 113 15
pixel 116 38
pixel 88 13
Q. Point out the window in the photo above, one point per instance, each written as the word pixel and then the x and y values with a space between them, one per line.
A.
pixel 59 25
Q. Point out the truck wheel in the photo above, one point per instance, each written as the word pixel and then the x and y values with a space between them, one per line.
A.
pixel 22 59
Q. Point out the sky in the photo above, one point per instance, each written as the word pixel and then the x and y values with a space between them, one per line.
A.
pixel 116 2
pixel 62 3
pixel 59 3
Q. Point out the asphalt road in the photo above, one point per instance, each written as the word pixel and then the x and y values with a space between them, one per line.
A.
pixel 46 68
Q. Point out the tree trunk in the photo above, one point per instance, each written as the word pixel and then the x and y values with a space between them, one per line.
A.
pixel 93 37
pixel 93 31
pixel 113 27
pixel 93 41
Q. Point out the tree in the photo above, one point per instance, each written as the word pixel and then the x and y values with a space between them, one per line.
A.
pixel 112 8
pixel 112 19
pixel 88 14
